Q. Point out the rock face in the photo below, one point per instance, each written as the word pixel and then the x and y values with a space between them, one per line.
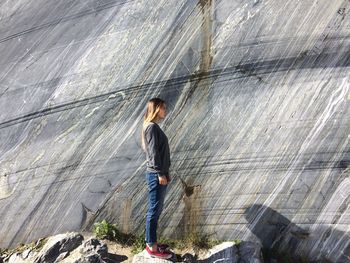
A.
pixel 258 118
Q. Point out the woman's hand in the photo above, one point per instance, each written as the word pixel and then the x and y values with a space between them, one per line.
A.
pixel 162 179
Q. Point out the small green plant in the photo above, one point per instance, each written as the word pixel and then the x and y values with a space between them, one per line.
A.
pixel 196 240
pixel 236 241
pixel 138 243
pixel 201 241
pixel 106 230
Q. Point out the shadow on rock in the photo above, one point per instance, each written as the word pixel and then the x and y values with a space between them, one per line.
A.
pixel 112 258
pixel 284 241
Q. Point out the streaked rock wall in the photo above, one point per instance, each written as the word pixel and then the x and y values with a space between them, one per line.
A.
pixel 258 93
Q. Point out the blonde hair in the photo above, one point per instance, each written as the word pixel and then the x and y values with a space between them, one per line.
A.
pixel 153 107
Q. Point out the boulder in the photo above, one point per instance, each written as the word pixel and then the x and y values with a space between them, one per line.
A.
pixel 66 248
pixel 91 250
pixel 27 255
pixel 94 246
pixel 15 258
pixel 58 247
pixel 189 258
pixel 250 252
pixel 225 252
pixel 90 258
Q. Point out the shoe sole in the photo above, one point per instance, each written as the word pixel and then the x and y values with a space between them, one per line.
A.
pixel 153 256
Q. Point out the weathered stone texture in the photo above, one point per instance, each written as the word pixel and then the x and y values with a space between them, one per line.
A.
pixel 258 93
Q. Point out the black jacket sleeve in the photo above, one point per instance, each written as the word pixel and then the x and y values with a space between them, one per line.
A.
pixel 152 144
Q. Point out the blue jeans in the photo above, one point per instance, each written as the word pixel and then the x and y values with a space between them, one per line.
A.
pixel 156 196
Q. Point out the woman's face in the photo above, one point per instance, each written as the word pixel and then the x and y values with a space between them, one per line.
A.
pixel 162 111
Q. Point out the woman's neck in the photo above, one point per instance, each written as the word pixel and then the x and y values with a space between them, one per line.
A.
pixel 156 120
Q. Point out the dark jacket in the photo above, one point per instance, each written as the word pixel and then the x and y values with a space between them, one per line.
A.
pixel 157 149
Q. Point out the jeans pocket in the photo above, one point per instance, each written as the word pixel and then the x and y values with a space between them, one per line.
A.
pixel 152 180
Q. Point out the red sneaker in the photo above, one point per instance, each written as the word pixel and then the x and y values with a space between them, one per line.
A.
pixel 158 253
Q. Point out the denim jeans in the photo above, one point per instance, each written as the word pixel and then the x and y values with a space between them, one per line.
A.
pixel 156 196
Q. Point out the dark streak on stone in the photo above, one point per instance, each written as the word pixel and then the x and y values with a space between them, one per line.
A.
pixel 192 202
pixel 126 216
pixel 343 164
pixel 89 221
pixel 63 20
pixel 254 69
pixel 343 207
pixel 341 11
pixel 86 213
pixel 188 189
pixel 249 72
pixel 206 35
pixel 202 78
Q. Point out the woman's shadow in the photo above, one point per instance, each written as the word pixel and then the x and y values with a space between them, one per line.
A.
pixel 286 242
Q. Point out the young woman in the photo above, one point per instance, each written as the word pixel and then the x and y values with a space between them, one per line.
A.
pixel 155 144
